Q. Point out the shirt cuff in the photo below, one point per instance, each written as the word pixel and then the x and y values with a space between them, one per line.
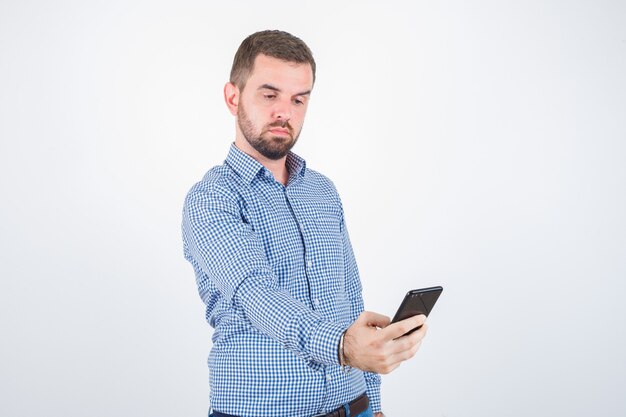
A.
pixel 372 382
pixel 324 343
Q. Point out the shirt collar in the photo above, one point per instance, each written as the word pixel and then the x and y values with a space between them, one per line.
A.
pixel 248 168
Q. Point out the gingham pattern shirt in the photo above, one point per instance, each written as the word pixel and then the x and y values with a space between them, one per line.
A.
pixel 275 268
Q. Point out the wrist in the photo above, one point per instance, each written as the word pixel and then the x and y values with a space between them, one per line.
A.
pixel 341 354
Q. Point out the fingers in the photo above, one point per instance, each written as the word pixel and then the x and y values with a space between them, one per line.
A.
pixel 408 342
pixel 404 342
pixel 385 369
pixel 401 328
pixel 406 347
pixel 405 354
pixel 399 350
pixel 382 350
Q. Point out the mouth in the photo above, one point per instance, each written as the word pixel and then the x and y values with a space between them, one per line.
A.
pixel 279 131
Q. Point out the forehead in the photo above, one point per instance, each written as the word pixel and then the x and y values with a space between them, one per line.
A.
pixel 287 76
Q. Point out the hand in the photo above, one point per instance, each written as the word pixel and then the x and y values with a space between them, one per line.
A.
pixel 372 344
pixel 379 414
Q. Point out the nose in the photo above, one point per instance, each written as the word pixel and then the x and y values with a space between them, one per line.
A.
pixel 282 110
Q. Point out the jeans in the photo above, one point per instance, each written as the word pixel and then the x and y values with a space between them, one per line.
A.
pixel 366 413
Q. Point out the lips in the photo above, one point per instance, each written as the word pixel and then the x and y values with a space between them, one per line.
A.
pixel 280 131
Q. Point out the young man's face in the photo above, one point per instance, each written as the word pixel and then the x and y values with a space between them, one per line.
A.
pixel 273 104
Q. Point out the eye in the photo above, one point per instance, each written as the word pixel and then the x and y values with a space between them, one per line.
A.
pixel 269 96
pixel 298 101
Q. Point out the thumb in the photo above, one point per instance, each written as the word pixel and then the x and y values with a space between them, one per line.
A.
pixel 371 319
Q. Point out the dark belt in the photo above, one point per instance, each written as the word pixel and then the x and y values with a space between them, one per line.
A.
pixel 356 407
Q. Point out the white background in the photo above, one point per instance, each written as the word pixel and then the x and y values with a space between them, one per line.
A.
pixel 476 145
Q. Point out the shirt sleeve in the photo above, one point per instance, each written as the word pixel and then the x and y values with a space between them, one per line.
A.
pixel 229 252
pixel 354 289
pixel 372 381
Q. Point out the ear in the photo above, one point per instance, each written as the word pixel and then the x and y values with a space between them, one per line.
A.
pixel 231 97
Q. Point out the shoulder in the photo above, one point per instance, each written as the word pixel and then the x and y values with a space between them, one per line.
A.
pixel 217 187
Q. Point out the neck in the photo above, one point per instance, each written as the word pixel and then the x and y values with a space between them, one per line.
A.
pixel 277 167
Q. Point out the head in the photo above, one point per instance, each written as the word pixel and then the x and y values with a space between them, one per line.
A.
pixel 270 84
pixel 273 43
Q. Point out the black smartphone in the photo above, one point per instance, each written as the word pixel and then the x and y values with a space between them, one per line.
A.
pixel 417 302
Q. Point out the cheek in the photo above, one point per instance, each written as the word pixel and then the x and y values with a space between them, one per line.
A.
pixel 298 118
pixel 256 118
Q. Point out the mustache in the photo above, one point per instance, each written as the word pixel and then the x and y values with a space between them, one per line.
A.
pixel 282 124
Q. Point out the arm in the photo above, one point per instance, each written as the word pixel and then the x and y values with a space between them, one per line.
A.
pixel 227 249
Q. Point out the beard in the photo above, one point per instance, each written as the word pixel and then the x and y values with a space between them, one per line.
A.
pixel 271 147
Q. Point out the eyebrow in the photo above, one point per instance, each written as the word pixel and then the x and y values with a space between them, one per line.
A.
pixel 271 87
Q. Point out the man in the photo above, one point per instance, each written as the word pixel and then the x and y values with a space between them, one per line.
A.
pixel 274 265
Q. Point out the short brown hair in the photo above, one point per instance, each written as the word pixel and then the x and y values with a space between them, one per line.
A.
pixel 273 43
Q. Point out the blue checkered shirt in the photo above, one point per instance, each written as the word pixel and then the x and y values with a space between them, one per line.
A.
pixel 277 273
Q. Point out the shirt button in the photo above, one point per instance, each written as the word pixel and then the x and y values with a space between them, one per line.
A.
pixel 309 264
pixel 316 302
pixel 328 378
